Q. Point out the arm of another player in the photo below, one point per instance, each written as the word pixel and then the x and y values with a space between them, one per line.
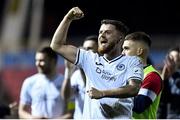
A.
pixel 24 112
pixel 66 90
pixel 58 42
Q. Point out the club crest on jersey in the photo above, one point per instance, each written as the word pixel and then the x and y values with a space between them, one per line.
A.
pixel 120 67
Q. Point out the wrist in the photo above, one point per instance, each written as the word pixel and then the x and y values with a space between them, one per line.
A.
pixel 68 18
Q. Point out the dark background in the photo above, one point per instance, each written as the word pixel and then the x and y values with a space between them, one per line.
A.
pixel 153 17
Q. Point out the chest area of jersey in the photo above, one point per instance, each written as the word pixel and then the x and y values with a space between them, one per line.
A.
pixel 109 71
pixel 45 91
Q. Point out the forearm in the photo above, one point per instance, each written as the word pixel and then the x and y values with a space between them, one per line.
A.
pixel 123 92
pixel 129 90
pixel 24 114
pixel 66 89
pixel 60 35
pixel 58 42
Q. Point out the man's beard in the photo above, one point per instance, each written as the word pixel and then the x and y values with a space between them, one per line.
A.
pixel 104 50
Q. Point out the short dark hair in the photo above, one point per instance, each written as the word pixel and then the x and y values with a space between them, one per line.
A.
pixel 49 52
pixel 176 48
pixel 92 37
pixel 139 36
pixel 118 24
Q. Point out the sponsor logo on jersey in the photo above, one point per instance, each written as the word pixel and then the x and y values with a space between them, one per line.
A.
pixel 105 75
pixel 98 70
pixel 99 64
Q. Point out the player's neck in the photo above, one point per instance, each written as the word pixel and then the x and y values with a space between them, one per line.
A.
pixel 112 54
pixel 52 75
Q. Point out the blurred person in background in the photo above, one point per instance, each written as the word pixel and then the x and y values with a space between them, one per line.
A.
pixel 40 93
pixel 146 103
pixel 74 85
pixel 170 105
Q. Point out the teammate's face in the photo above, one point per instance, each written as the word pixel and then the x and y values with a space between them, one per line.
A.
pixel 176 57
pixel 130 48
pixel 90 45
pixel 43 63
pixel 108 38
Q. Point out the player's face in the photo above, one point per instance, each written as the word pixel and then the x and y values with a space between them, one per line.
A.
pixel 129 48
pixel 90 45
pixel 43 63
pixel 108 38
pixel 176 57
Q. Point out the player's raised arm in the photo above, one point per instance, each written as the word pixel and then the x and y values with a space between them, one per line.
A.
pixel 58 42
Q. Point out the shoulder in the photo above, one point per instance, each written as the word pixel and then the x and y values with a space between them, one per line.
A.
pixel 154 77
pixel 29 82
pixel 88 53
pixel 84 56
pixel 133 61
pixel 131 58
pixel 153 81
pixel 32 79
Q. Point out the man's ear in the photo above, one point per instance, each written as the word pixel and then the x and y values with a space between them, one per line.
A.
pixel 140 51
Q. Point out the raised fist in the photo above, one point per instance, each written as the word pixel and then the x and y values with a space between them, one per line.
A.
pixel 75 13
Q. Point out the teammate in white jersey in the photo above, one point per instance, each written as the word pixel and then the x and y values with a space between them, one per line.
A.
pixel 74 86
pixel 112 79
pixel 40 93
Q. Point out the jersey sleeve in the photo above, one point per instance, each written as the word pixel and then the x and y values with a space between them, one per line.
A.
pixel 24 95
pixel 81 57
pixel 135 70
pixel 84 59
pixel 151 86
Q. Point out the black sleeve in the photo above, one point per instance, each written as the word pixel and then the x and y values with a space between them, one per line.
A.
pixel 141 102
